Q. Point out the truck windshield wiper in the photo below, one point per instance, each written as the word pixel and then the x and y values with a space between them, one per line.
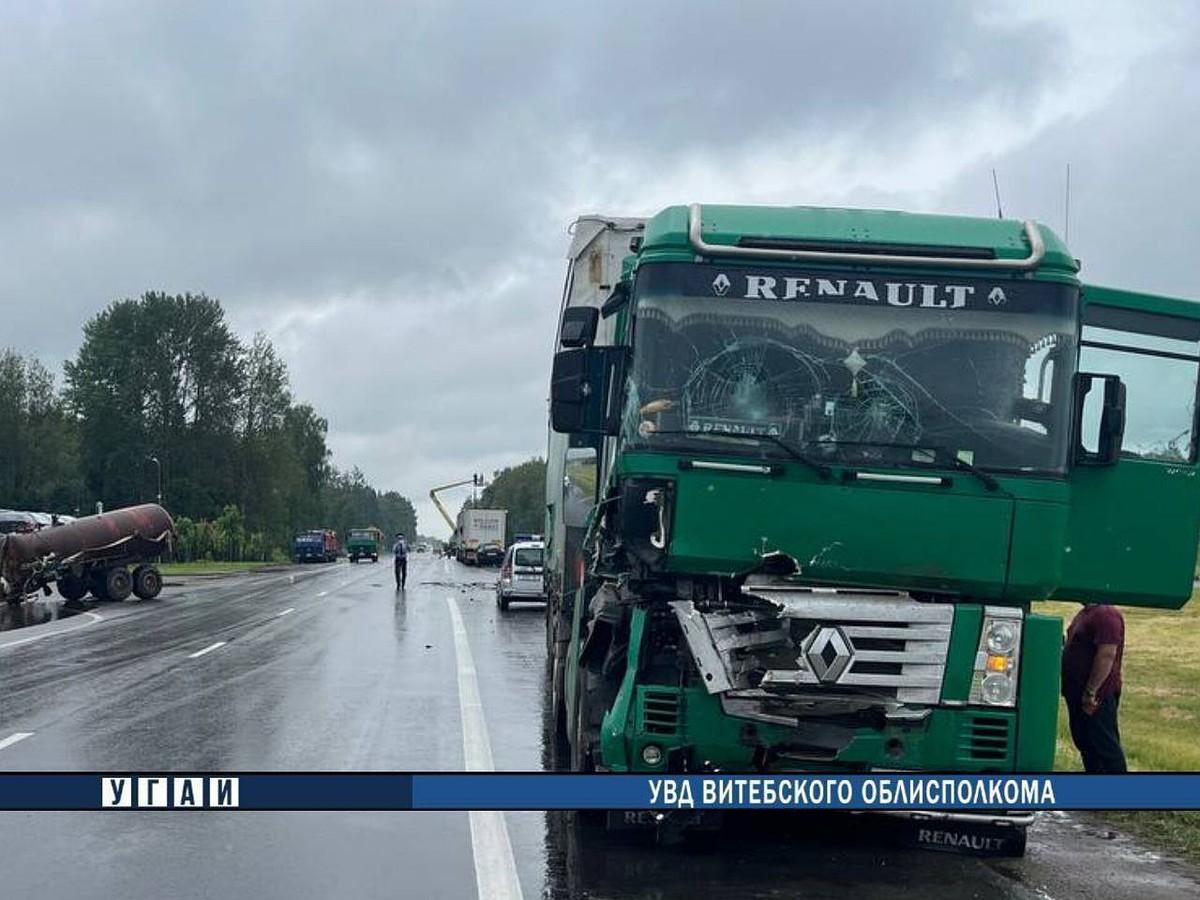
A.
pixel 959 463
pixel 985 478
pixel 822 470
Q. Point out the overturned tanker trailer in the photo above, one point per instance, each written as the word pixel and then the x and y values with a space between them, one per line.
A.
pixel 90 554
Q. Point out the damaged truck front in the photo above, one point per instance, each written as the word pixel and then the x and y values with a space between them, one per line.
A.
pixel 809 469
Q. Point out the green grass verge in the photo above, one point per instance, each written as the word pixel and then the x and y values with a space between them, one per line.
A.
pixel 210 568
pixel 1159 717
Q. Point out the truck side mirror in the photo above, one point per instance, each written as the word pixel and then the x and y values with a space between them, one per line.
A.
pixel 585 389
pixel 578 327
pixel 570 391
pixel 1100 419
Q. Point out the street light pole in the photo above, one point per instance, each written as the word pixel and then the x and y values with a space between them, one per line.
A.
pixel 158 466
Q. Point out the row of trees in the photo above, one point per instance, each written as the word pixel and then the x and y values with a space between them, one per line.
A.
pixel 163 397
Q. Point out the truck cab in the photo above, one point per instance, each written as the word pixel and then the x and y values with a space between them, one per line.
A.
pixel 809 469
pixel 363 543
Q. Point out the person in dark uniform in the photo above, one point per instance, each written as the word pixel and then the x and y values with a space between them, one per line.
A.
pixel 1091 686
pixel 400 560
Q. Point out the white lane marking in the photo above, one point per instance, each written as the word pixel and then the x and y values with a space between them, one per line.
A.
pixel 290 609
pixel 14 738
pixel 93 618
pixel 209 649
pixel 495 868
pixel 323 594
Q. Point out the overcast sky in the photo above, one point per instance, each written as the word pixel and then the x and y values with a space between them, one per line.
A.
pixel 385 188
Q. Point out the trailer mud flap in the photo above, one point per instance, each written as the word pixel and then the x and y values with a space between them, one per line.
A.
pixel 966 838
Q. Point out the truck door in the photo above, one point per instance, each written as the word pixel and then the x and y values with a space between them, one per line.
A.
pixel 1133 526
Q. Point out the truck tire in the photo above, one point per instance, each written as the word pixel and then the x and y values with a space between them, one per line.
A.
pixel 72 588
pixel 117 584
pixel 95 582
pixel 147 582
pixel 558 705
pixel 584 734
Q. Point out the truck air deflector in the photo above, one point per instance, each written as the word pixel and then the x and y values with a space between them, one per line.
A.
pixel 957 260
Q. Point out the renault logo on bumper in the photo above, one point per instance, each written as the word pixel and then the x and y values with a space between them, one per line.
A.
pixel 828 653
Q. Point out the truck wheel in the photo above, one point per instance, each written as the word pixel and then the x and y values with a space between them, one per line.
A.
pixel 117 584
pixel 582 759
pixel 72 588
pixel 558 709
pixel 147 582
pixel 95 583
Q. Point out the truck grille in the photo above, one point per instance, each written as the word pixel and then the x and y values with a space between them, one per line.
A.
pixel 885 646
pixel 986 737
pixel 659 711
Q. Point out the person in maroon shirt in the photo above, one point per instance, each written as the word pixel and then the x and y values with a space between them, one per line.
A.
pixel 1091 685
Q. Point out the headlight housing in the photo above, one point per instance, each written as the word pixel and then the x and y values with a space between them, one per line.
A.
pixel 646 508
pixel 1000 636
pixel 998 658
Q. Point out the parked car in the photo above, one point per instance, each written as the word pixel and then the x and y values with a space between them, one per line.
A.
pixel 522 576
pixel 13 522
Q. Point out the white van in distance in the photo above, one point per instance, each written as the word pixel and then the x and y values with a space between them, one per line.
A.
pixel 521 574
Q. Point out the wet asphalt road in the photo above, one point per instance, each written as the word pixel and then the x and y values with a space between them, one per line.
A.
pixel 329 668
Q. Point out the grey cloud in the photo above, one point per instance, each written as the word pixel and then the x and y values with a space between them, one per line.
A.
pixel 313 148
pixel 385 188
pixel 1133 190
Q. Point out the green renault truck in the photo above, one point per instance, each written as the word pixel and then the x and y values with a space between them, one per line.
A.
pixel 810 468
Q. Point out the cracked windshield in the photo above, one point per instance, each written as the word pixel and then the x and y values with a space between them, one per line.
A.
pixel 870 370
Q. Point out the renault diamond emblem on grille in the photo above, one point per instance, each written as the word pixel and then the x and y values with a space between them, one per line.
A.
pixel 828 653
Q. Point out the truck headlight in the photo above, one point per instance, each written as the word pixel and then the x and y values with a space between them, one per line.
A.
pixel 997 690
pixel 1001 636
pixel 997 660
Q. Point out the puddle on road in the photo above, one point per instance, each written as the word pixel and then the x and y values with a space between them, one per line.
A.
pixel 38 611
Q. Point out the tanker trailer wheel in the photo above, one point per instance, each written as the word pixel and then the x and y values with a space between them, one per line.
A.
pixel 94 579
pixel 147 582
pixel 72 588
pixel 117 584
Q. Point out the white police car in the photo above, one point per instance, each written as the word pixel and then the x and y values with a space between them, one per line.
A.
pixel 522 576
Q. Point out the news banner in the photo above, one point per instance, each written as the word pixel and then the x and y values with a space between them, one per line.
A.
pixel 550 791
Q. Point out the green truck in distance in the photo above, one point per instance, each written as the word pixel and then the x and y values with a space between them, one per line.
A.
pixel 364 543
pixel 808 469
